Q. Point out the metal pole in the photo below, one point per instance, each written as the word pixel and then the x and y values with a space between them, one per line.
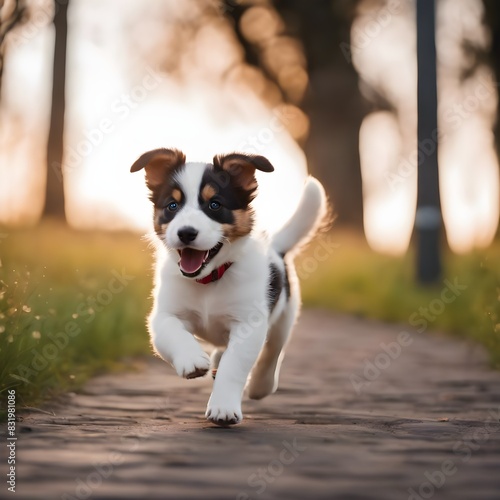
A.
pixel 428 220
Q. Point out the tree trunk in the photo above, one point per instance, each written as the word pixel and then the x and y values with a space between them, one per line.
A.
pixel 492 20
pixel 9 21
pixel 54 192
pixel 334 103
pixel 332 148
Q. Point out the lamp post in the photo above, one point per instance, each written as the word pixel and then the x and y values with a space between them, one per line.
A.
pixel 428 220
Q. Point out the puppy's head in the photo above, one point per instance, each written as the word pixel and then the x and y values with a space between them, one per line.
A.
pixel 199 208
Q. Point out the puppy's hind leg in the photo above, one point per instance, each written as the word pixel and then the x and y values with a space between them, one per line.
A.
pixel 264 377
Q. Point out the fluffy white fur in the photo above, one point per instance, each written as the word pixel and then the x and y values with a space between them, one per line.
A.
pixel 232 313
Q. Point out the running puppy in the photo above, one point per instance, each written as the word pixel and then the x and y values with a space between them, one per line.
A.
pixel 217 280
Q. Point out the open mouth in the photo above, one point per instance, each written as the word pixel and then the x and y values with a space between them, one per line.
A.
pixel 192 261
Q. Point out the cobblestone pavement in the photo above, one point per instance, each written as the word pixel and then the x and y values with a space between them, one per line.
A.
pixel 363 412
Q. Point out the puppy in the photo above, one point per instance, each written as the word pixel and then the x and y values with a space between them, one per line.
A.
pixel 219 281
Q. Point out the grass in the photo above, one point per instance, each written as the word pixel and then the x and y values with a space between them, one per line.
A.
pixel 358 281
pixel 65 315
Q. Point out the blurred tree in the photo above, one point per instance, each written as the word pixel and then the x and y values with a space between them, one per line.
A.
pixel 54 191
pixel 332 101
pixel 12 13
pixel 478 56
pixel 492 20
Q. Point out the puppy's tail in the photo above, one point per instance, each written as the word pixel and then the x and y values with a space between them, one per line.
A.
pixel 310 215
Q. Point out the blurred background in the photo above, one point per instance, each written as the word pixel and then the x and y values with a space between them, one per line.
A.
pixel 326 87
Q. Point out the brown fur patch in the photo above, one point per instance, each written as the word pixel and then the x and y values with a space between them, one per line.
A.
pixel 241 168
pixel 208 192
pixel 177 195
pixel 159 164
pixel 243 223
pixel 160 228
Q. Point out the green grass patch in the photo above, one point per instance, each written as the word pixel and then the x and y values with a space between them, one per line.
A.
pixel 339 271
pixel 73 303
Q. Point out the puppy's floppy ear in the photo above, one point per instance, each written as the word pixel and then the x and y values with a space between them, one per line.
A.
pixel 241 168
pixel 158 164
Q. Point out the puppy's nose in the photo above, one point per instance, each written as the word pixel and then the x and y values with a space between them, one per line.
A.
pixel 187 234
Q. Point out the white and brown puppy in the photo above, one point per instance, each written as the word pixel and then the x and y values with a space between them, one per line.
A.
pixel 217 280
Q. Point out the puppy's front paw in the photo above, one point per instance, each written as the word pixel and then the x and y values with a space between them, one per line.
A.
pixel 224 415
pixel 191 365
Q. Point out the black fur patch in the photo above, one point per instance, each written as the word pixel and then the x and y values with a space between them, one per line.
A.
pixel 230 196
pixel 287 283
pixel 162 196
pixel 275 285
pixel 165 198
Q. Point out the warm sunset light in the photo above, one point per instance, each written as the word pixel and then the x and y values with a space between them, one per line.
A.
pixel 384 55
pixel 114 119
pixel 250 249
pixel 222 105
pixel 389 202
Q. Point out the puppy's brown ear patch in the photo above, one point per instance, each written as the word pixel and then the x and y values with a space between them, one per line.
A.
pixel 158 164
pixel 242 168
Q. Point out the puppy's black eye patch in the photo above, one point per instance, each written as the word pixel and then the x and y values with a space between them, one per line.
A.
pixel 169 211
pixel 172 201
pixel 222 187
pixel 171 208
pixel 225 201
pixel 216 210
pixel 218 198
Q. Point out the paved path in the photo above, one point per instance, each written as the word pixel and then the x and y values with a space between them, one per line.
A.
pixel 431 415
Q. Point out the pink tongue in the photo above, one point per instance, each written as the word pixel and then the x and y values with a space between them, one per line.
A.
pixel 191 260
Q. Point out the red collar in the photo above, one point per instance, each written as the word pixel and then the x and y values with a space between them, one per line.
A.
pixel 215 275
